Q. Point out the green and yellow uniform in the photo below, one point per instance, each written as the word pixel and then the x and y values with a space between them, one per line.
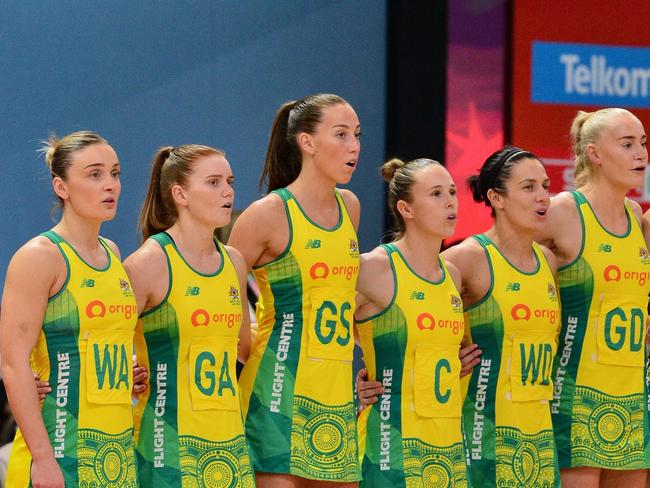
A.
pixel 190 429
pixel 297 391
pixel 506 414
pixel 600 408
pixel 412 436
pixel 84 351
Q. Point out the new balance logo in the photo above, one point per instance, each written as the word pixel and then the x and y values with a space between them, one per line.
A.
pixel 604 248
pixel 312 244
pixel 192 291
pixel 417 295
pixel 513 286
pixel 87 283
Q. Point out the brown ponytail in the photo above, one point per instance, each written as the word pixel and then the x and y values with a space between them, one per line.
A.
pixel 283 160
pixel 154 216
pixel 171 166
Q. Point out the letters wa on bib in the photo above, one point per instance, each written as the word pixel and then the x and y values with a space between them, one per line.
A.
pixel 84 351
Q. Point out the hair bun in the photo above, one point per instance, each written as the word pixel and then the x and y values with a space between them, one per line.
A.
pixel 389 168
pixel 48 148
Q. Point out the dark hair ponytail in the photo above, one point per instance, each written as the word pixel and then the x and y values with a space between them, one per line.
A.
pixel 283 160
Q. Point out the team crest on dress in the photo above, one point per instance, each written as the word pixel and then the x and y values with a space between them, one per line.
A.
pixel 456 303
pixel 644 255
pixel 354 249
pixel 126 288
pixel 552 292
pixel 233 294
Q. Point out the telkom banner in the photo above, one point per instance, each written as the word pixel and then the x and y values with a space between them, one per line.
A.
pixel 571 56
pixel 590 74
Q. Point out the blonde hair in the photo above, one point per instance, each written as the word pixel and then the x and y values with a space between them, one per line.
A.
pixel 586 129
pixel 59 152
pixel 400 177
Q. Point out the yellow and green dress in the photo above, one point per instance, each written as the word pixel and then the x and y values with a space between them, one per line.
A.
pixel 506 413
pixel 412 436
pixel 84 351
pixel 297 391
pixel 600 404
pixel 189 423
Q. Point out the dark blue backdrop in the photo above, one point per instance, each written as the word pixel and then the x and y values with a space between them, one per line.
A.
pixel 147 74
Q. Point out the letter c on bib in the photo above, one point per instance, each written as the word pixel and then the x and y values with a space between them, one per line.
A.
pixel 441 397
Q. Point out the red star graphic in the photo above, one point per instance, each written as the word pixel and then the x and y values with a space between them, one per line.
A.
pixel 474 148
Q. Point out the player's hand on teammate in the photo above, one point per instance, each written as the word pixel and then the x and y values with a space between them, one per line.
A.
pixel 469 357
pixel 140 383
pixel 140 378
pixel 367 391
pixel 42 387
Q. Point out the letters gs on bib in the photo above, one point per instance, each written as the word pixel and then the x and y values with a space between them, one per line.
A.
pixel 328 316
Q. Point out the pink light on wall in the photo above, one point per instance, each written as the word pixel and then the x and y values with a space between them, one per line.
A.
pixel 472 148
pixel 475 91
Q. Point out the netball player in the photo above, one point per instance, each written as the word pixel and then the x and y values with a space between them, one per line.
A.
pixel 410 324
pixel 301 242
pixel 513 313
pixel 194 324
pixel 600 410
pixel 68 311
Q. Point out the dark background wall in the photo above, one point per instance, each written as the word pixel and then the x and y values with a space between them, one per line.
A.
pixel 147 74
pixel 416 82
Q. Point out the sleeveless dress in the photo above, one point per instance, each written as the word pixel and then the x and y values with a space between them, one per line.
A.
pixel 190 424
pixel 600 401
pixel 412 436
pixel 506 414
pixel 84 351
pixel 296 388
